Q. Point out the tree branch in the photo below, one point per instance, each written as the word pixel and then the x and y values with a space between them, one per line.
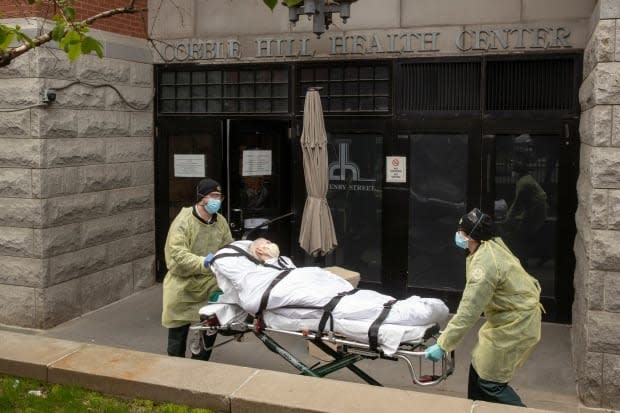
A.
pixel 8 56
pixel 121 10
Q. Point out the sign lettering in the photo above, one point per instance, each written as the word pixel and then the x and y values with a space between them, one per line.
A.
pixel 374 44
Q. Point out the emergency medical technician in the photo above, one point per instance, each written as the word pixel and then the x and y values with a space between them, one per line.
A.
pixel 497 285
pixel 194 236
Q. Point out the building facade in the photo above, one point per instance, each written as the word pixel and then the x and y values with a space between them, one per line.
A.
pixel 76 176
pixel 431 109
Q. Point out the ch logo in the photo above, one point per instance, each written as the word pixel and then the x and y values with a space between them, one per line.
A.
pixel 343 169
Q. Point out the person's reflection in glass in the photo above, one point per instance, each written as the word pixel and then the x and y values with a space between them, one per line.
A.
pixel 527 212
pixel 254 194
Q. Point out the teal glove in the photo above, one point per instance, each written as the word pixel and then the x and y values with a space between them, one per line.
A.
pixel 207 260
pixel 434 353
pixel 215 296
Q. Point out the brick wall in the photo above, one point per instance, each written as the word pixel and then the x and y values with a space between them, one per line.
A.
pixel 126 24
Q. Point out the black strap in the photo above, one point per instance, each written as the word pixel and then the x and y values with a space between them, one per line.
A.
pixel 265 298
pixel 243 253
pixel 373 331
pixel 240 253
pixel 329 307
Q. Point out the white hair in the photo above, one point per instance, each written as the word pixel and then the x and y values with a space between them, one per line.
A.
pixel 267 247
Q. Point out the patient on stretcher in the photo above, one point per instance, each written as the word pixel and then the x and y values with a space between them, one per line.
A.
pixel 254 276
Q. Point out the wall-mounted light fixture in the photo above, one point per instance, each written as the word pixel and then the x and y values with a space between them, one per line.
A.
pixel 320 11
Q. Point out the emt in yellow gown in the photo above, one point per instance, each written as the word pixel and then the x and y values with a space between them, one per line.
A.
pixel 194 236
pixel 497 285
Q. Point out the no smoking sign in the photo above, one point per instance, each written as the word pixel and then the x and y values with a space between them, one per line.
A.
pixel 396 169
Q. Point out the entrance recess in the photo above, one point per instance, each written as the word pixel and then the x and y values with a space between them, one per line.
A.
pixel 460 125
pixel 250 159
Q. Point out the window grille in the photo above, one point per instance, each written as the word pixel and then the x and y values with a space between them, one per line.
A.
pixel 347 87
pixel 225 90
pixel 545 84
pixel 441 86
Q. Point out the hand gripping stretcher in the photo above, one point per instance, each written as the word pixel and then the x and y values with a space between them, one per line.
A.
pixel 230 320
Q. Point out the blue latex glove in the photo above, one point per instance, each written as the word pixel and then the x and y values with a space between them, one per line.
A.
pixel 208 259
pixel 434 353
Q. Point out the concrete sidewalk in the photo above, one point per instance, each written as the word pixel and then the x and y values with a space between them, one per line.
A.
pixel 545 382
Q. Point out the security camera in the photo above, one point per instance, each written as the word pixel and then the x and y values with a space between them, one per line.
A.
pixel 50 96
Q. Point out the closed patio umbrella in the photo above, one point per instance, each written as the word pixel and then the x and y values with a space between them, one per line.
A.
pixel 317 235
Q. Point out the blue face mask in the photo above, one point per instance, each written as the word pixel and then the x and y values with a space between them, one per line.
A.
pixel 460 241
pixel 212 206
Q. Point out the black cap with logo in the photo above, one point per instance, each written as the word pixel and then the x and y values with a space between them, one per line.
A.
pixel 205 187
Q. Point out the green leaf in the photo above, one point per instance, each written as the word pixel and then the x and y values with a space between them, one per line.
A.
pixel 69 13
pixel 24 38
pixel 71 38
pixel 90 44
pixel 271 3
pixel 6 37
pixel 74 50
pixel 291 3
pixel 58 32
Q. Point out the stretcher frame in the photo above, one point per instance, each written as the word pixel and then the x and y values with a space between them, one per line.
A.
pixel 346 354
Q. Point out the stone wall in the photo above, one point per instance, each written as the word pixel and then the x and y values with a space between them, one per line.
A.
pixel 76 182
pixel 596 309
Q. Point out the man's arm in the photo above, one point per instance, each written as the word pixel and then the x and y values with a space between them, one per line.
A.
pixel 179 258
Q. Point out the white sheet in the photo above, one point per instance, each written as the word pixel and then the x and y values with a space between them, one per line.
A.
pixel 244 282
pixel 390 336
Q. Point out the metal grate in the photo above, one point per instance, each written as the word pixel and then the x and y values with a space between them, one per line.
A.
pixel 347 87
pixel 254 90
pixel 547 84
pixel 438 86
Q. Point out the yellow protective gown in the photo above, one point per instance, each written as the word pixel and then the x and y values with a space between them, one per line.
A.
pixel 188 284
pixel 497 285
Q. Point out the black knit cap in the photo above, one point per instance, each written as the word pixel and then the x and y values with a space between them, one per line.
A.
pixel 477 225
pixel 206 186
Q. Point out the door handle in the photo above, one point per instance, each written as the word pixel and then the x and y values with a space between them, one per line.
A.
pixel 487 145
pixel 488 173
pixel 266 223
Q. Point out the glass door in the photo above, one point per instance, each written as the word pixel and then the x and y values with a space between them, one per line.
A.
pixel 187 150
pixel 529 176
pixel 258 173
pixel 443 162
pixel 249 158
pixel 355 196
pixel 437 198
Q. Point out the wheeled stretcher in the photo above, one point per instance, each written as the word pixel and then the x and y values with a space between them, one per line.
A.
pixel 349 324
pixel 231 320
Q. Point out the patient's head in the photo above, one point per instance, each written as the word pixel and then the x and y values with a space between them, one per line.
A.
pixel 263 249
